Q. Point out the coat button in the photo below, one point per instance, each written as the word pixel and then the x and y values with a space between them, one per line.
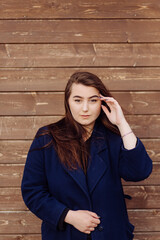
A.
pixel 100 228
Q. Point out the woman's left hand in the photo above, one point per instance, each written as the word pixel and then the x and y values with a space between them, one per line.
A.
pixel 116 115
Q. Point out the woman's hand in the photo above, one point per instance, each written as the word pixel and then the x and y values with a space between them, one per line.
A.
pixel 116 115
pixel 85 221
pixel 117 118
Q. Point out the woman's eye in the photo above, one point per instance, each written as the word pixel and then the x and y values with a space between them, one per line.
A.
pixel 93 100
pixel 77 100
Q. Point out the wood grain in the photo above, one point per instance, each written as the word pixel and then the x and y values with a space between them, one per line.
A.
pixel 79 9
pixel 145 220
pixel 53 103
pixel 145 126
pixel 11 175
pixel 21 128
pixel 152 147
pixel 22 237
pixel 138 236
pixel 32 104
pixel 75 55
pixel 63 31
pixel 26 222
pixel 147 236
pixel 143 197
pixel 55 79
pixel 17 150
pixel 19 222
pixel 11 200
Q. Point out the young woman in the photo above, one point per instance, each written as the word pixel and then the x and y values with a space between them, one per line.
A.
pixel 72 176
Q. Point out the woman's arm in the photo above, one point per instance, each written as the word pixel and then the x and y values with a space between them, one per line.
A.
pixel 35 190
pixel 134 162
pixel 128 137
pixel 117 118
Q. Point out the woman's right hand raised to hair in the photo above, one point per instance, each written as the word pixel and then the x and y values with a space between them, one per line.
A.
pixel 84 220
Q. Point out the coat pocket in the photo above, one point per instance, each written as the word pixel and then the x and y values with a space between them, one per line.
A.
pixel 130 229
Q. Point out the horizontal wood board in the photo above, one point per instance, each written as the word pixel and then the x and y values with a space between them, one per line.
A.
pixel 55 79
pixel 80 54
pixel 79 9
pixel 70 31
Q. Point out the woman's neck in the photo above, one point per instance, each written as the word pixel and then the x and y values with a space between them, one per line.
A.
pixel 88 133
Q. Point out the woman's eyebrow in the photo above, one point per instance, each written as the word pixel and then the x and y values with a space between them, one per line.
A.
pixel 94 96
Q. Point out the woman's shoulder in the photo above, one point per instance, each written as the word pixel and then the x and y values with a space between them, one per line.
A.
pixel 42 131
pixel 42 136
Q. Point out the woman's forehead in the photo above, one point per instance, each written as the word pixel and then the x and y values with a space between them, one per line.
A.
pixel 83 90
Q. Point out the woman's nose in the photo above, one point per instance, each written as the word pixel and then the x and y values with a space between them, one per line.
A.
pixel 85 106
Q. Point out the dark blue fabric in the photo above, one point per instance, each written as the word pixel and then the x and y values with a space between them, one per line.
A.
pixel 48 187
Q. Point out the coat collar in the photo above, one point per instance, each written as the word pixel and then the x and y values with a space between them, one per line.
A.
pixel 98 164
pixel 99 156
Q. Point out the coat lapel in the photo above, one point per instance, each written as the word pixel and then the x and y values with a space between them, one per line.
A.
pixel 97 165
pixel 80 178
pixel 99 158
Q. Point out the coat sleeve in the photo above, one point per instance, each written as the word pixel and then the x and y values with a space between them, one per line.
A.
pixel 135 164
pixel 34 187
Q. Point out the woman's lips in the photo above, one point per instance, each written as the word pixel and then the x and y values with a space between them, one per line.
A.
pixel 85 116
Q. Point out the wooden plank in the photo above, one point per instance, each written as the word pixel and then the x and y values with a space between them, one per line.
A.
pixel 138 236
pixel 19 222
pixel 152 147
pixel 145 126
pixel 11 200
pixel 146 236
pixel 32 103
pixel 63 31
pixel 53 103
pixel 79 9
pixel 11 176
pixel 21 128
pixel 143 197
pixel 145 220
pixel 17 150
pixel 26 222
pixel 75 55
pixel 23 237
pixel 55 79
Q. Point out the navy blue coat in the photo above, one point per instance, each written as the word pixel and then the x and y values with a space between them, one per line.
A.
pixel 48 187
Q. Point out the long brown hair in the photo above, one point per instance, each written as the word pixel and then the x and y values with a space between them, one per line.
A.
pixel 66 134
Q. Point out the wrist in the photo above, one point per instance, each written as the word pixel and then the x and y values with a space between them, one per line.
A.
pixel 122 124
pixel 69 217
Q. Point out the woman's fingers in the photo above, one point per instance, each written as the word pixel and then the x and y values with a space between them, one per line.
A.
pixel 91 229
pixel 108 99
pixel 83 220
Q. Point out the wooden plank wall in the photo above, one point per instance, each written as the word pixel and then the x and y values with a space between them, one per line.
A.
pixel 41 44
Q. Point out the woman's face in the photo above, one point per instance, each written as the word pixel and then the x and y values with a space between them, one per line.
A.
pixel 84 104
